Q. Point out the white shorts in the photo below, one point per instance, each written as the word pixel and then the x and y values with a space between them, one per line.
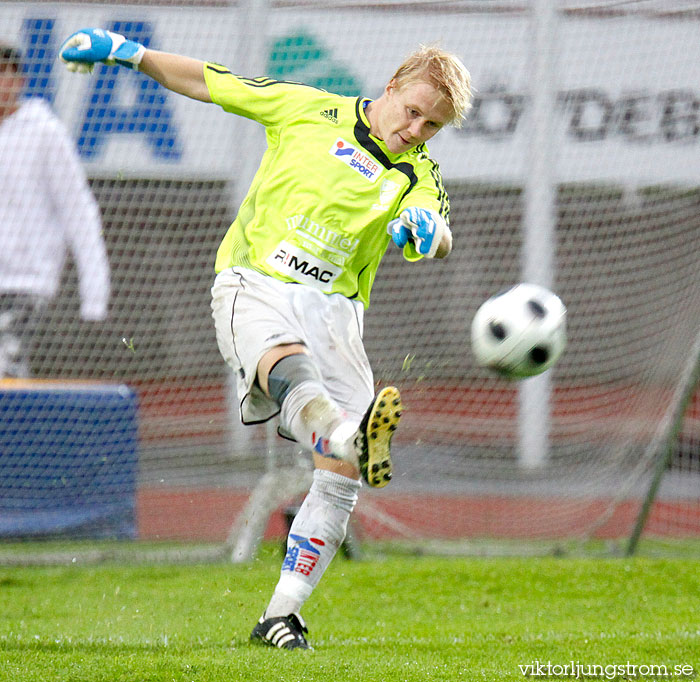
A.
pixel 253 313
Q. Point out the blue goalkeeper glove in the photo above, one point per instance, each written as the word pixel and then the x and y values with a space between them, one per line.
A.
pixel 398 232
pixel 424 227
pixel 89 45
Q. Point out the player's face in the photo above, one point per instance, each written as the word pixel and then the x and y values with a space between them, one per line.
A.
pixel 411 115
pixel 11 84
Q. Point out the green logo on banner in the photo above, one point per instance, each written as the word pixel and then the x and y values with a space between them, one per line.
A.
pixel 301 57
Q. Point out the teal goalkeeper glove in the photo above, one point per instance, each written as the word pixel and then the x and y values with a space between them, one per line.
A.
pixel 89 45
pixel 422 226
pixel 398 232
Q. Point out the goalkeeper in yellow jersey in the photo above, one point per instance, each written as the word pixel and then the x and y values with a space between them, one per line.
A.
pixel 342 177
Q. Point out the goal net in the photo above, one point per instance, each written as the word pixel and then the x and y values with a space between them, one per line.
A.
pixel 578 167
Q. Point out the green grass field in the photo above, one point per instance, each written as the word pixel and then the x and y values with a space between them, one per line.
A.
pixel 389 620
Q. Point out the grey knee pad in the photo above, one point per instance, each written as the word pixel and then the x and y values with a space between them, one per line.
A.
pixel 289 372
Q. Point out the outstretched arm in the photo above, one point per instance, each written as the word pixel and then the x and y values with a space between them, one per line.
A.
pixel 180 74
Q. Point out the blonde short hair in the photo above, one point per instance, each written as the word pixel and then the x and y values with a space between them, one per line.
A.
pixel 442 69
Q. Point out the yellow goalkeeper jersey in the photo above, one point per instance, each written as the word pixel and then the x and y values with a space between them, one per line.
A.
pixel 317 210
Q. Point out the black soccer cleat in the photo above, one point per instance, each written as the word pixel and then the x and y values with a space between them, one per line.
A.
pixel 373 439
pixel 283 632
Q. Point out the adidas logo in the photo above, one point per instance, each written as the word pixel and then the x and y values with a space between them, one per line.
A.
pixel 331 115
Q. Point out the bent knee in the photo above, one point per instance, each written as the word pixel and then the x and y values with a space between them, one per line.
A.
pixel 272 357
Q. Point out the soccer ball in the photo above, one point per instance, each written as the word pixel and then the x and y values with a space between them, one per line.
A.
pixel 520 332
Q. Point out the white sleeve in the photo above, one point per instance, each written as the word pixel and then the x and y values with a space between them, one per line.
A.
pixel 79 215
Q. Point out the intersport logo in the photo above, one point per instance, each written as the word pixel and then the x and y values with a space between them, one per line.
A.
pixel 356 159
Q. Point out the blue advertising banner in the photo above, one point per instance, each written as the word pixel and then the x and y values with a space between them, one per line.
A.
pixel 68 460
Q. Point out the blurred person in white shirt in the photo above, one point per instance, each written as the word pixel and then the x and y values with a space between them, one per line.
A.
pixel 47 209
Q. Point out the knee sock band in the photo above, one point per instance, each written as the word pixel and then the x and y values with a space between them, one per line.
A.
pixel 288 373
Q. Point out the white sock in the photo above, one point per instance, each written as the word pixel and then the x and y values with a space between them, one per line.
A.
pixel 311 416
pixel 341 442
pixel 317 532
